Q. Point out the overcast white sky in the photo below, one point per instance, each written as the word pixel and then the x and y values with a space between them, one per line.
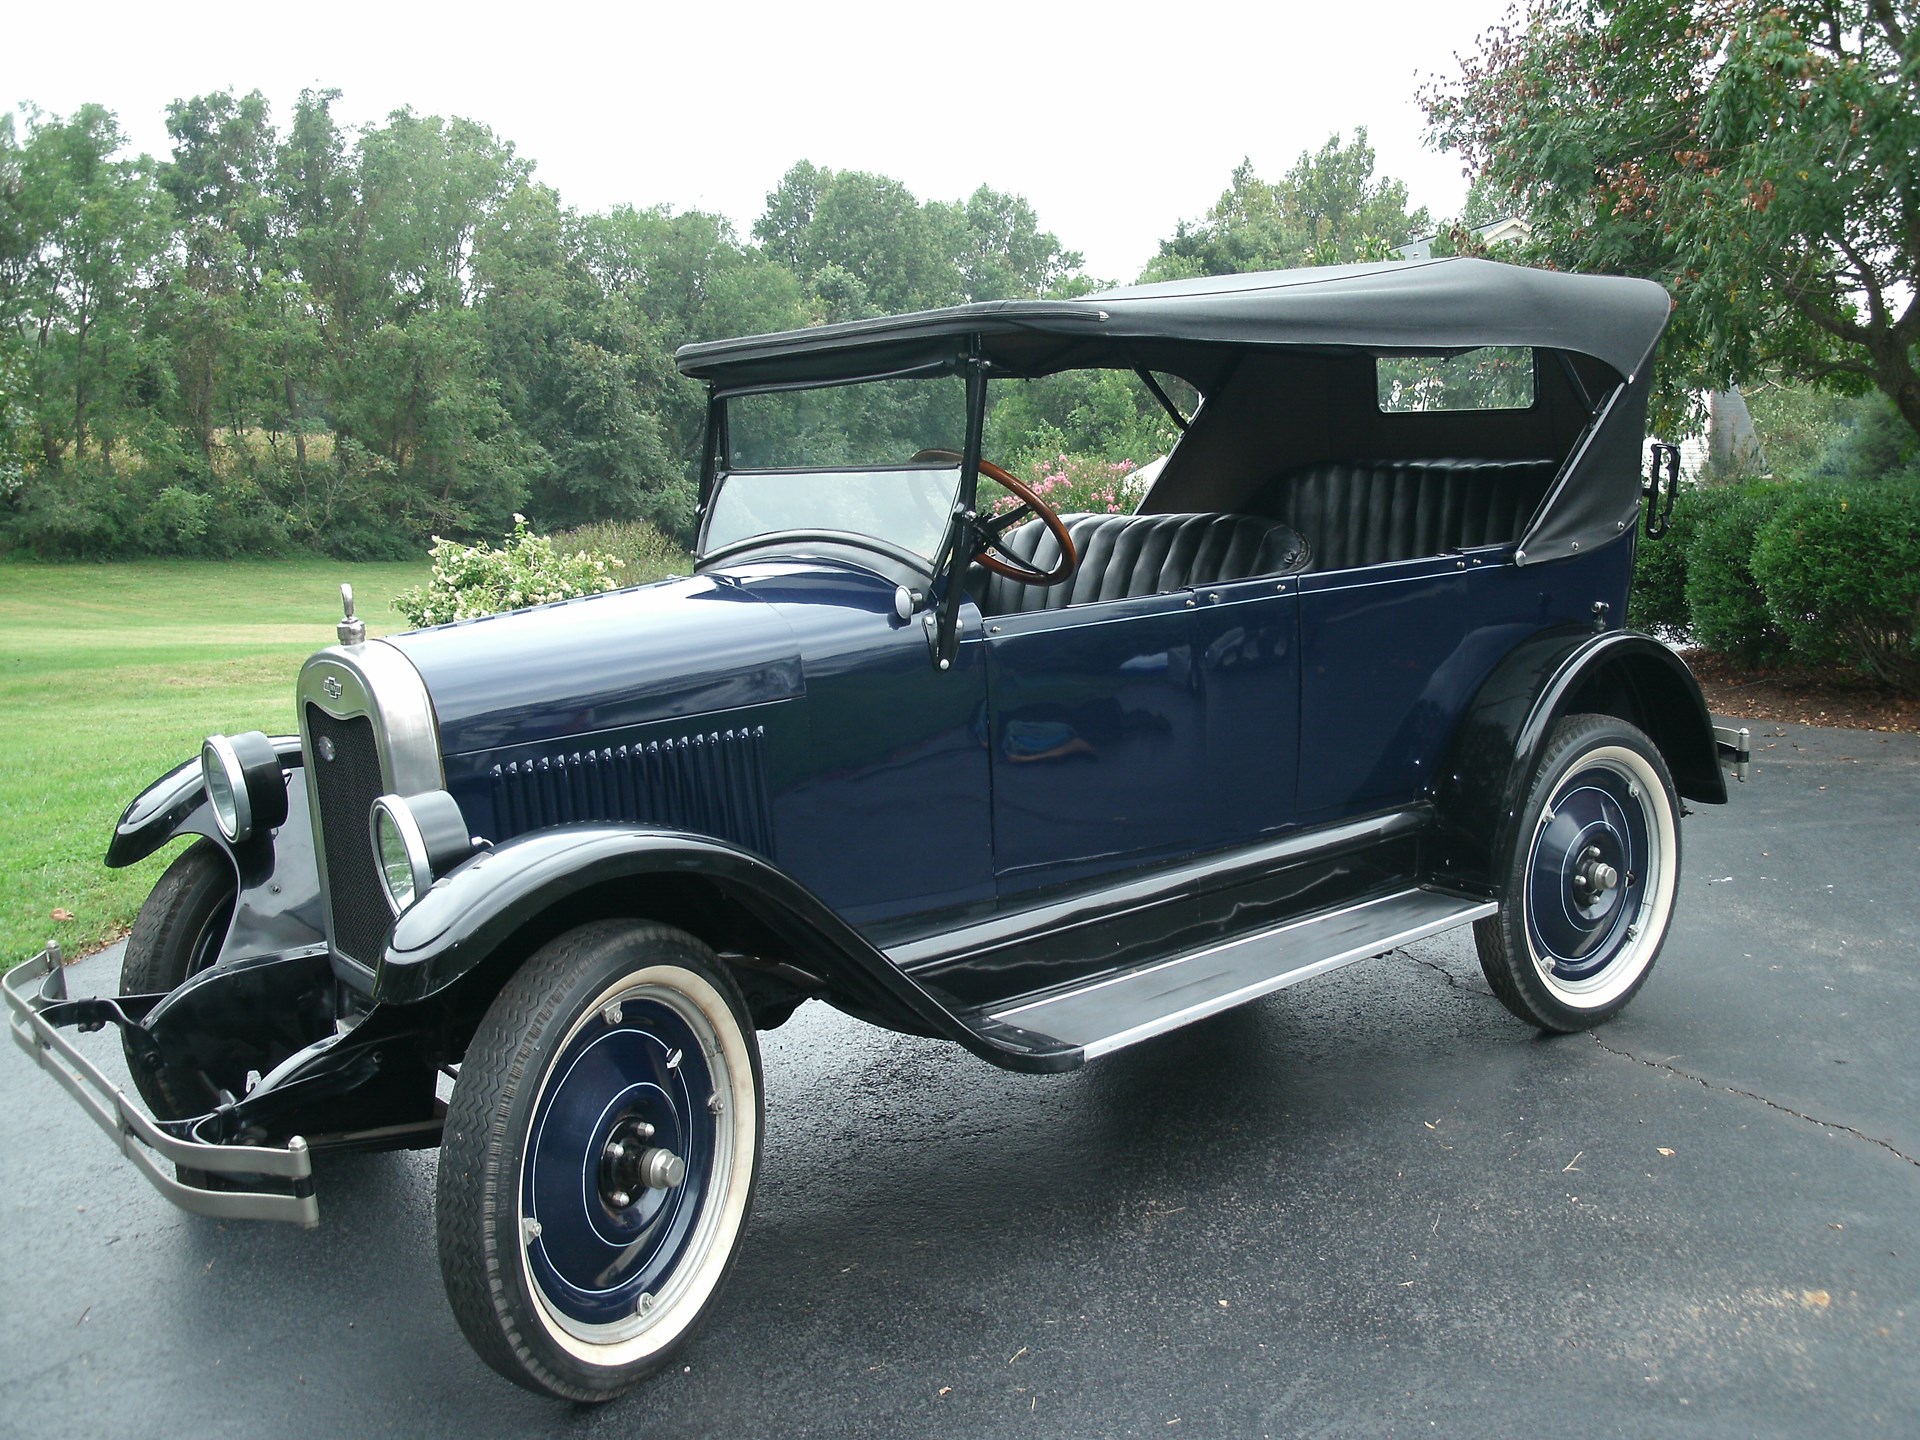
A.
pixel 1114 120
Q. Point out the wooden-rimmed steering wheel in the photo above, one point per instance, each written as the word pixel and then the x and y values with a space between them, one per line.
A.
pixel 990 551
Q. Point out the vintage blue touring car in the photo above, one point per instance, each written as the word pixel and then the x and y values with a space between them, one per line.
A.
pixel 1351 672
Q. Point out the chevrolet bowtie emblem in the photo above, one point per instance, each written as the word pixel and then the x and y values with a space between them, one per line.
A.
pixel 333 687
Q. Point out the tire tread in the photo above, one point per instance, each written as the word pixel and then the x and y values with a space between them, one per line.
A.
pixel 491 1074
pixel 1499 938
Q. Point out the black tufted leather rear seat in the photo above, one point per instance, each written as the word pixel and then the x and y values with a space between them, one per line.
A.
pixel 1365 512
pixel 1128 555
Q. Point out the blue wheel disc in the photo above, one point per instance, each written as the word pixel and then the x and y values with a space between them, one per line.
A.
pixel 1577 927
pixel 596 1261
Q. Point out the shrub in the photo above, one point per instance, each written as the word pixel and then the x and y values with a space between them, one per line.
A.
pixel 472 580
pixel 1872 442
pixel 87 511
pixel 1659 598
pixel 1840 565
pixel 1726 607
pixel 643 549
pixel 176 522
pixel 1074 484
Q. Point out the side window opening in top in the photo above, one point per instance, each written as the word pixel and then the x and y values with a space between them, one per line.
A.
pixel 1492 377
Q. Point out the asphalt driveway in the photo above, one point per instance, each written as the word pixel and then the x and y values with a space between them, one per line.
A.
pixel 1373 1205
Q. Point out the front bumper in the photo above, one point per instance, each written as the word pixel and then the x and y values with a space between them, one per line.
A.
pixel 39 1012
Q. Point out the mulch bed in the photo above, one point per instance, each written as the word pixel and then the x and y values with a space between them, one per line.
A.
pixel 1802 697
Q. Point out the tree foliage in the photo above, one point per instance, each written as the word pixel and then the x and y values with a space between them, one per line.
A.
pixel 354 338
pixel 1757 156
pixel 1330 208
pixel 293 332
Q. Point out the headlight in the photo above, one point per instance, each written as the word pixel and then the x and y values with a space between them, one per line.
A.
pixel 416 838
pixel 244 784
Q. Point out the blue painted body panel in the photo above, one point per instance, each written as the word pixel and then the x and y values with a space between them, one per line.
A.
pixel 1246 647
pixel 785 706
pixel 603 664
pixel 1393 655
pixel 792 688
pixel 1098 723
pixel 888 811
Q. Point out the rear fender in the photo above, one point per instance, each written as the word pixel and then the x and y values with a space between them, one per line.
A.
pixel 484 918
pixel 278 911
pixel 1560 673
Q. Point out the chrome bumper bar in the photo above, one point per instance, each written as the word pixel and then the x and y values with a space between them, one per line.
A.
pixel 134 1131
pixel 1735 748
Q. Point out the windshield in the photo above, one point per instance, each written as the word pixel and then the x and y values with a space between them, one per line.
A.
pixel 877 461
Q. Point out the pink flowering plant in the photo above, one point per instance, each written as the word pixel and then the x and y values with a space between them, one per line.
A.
pixel 474 580
pixel 1073 485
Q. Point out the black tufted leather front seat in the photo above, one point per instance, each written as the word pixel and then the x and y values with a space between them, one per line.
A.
pixel 1128 555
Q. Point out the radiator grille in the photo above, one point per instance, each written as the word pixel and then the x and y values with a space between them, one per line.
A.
pixel 347 786
pixel 713 784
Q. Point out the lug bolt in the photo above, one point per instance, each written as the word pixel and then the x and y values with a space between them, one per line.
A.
pixel 612 1013
pixel 644 1304
pixel 620 1199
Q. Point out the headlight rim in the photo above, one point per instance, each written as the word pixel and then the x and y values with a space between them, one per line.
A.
pixel 412 840
pixel 217 751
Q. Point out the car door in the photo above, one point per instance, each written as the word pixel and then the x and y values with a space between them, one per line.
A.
pixel 1247 657
pixel 1097 730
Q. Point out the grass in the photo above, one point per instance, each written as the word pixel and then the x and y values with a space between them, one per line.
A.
pixel 110 675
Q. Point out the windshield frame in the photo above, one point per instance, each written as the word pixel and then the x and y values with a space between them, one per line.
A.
pixel 936 571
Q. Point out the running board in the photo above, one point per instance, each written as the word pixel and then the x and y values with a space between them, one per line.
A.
pixel 1121 1010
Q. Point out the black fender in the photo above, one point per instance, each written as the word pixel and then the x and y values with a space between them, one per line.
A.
pixel 1556 673
pixel 485 916
pixel 278 910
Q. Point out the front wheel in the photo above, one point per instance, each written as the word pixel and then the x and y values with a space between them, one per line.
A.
pixel 599 1159
pixel 1587 892
pixel 177 934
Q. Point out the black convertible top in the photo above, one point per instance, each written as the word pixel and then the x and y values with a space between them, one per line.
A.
pixel 1446 304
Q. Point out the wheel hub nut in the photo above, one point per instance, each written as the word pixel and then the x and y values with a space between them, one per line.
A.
pixel 1592 876
pixel 661 1169
pixel 629 1166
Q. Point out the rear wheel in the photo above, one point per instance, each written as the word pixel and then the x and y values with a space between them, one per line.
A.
pixel 177 934
pixel 1588 890
pixel 599 1159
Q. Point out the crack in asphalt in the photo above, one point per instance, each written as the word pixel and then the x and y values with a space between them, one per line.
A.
pixel 1452 979
pixel 1887 1145
pixel 1706 1084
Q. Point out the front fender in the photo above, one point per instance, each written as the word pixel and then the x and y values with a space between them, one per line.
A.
pixel 278 908
pixel 537 883
pixel 1563 672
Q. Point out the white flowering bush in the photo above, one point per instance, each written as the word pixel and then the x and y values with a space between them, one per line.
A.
pixel 471 580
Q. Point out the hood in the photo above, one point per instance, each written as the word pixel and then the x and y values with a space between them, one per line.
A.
pixel 603 662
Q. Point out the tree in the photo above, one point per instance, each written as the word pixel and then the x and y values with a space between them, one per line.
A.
pixel 996 243
pixel 865 246
pixel 82 234
pixel 1330 208
pixel 782 226
pixel 212 306
pixel 1755 156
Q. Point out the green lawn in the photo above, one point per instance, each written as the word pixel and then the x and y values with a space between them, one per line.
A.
pixel 112 674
